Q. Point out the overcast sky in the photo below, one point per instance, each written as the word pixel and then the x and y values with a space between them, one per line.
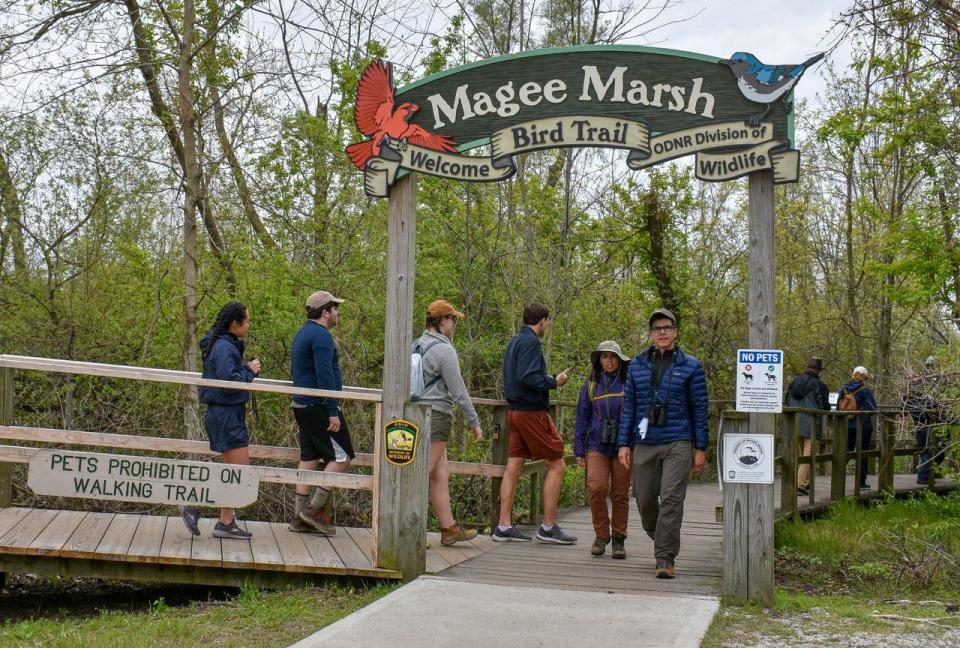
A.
pixel 775 31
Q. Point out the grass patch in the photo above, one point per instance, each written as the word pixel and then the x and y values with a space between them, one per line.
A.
pixel 884 575
pixel 253 618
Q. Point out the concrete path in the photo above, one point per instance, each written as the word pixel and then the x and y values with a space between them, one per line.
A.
pixel 443 613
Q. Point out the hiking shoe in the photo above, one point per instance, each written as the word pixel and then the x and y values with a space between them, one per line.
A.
pixel 299 526
pixel 619 552
pixel 665 569
pixel 864 487
pixel 190 516
pixel 599 546
pixel 555 536
pixel 232 530
pixel 513 534
pixel 454 534
pixel 803 491
pixel 319 521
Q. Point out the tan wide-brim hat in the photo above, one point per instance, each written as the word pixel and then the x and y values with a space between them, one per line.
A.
pixel 610 346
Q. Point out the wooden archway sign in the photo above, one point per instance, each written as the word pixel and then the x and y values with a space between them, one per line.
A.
pixel 734 115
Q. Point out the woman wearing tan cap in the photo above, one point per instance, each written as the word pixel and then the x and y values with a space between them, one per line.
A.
pixel 443 386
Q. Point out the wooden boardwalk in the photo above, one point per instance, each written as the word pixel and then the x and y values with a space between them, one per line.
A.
pixel 699 565
pixel 79 543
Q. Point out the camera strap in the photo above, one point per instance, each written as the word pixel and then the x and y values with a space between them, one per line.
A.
pixel 656 380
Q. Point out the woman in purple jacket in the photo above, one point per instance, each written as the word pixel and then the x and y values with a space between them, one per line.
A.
pixel 595 446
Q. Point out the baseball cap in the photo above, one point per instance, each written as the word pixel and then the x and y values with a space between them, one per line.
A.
pixel 662 313
pixel 322 298
pixel 442 308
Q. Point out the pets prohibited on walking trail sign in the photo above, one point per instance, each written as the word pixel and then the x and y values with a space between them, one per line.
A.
pixel 759 380
pixel 747 458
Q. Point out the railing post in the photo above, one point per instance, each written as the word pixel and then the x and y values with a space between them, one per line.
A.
pixel 500 439
pixel 6 418
pixel 887 439
pixel 838 467
pixel 788 462
pixel 858 475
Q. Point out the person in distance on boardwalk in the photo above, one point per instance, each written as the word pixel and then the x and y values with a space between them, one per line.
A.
pixel 855 396
pixel 533 435
pixel 324 436
pixel 665 411
pixel 599 410
pixel 222 353
pixel 923 408
pixel 444 386
pixel 807 390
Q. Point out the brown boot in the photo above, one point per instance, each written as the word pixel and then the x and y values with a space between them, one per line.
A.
pixel 299 526
pixel 318 518
pixel 665 569
pixel 619 551
pixel 599 546
pixel 454 534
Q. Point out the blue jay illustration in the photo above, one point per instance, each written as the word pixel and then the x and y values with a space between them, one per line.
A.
pixel 766 84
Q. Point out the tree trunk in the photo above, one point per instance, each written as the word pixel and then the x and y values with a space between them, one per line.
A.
pixel 191 197
pixel 657 219
pixel 950 240
pixel 239 181
pixel 150 70
pixel 12 220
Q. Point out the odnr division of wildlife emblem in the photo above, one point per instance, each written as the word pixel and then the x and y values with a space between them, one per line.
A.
pixel 401 437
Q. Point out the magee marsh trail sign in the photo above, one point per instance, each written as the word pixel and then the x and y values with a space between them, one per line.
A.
pixel 733 114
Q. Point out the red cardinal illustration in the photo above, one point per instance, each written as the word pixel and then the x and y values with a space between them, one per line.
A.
pixel 376 116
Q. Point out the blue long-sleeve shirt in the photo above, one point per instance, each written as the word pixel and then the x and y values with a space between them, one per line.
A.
pixel 526 384
pixel 315 363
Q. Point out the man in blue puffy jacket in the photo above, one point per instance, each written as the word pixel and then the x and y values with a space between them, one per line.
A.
pixel 664 420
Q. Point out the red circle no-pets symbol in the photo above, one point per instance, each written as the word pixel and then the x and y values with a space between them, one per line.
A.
pixel 748 367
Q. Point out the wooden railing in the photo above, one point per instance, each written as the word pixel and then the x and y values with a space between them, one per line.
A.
pixel 835 425
pixel 10 454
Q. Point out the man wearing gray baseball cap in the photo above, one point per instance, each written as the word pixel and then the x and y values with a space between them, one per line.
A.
pixel 664 422
pixel 324 436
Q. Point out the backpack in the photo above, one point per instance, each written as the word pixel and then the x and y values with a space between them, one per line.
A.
pixel 417 384
pixel 848 402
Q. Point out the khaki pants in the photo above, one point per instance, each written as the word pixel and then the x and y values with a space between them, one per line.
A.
pixel 803 473
pixel 660 474
pixel 606 474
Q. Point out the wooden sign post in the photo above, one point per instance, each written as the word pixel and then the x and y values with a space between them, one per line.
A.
pixel 400 495
pixel 748 511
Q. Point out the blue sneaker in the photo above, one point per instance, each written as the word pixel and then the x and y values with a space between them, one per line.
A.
pixel 512 534
pixel 190 516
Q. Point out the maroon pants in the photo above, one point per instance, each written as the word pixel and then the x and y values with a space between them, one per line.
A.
pixel 607 475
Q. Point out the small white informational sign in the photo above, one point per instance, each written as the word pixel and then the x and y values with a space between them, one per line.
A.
pixel 127 478
pixel 760 380
pixel 748 458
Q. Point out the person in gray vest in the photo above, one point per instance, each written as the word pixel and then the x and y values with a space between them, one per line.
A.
pixel 444 386
pixel 807 390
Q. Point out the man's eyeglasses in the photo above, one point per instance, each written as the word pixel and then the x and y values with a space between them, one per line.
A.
pixel 662 329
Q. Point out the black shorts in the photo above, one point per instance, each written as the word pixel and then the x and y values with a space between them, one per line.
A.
pixel 315 440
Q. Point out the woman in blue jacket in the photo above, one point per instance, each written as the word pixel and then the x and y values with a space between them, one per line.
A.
pixel 595 446
pixel 866 402
pixel 222 351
